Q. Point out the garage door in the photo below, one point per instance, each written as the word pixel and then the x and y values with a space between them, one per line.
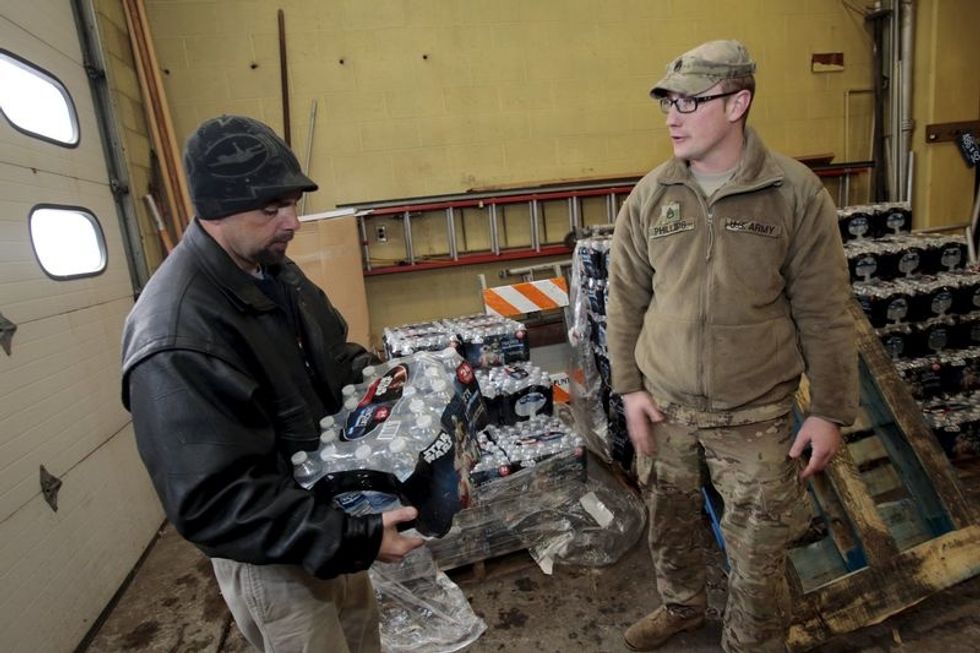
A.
pixel 64 292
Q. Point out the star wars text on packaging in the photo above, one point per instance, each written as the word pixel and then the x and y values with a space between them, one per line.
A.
pixel 406 435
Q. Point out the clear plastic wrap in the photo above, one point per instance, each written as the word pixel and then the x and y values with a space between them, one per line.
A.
pixel 564 517
pixel 585 385
pixel 598 410
pixel 421 609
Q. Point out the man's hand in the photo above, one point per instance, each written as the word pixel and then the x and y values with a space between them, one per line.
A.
pixel 824 439
pixel 394 545
pixel 641 414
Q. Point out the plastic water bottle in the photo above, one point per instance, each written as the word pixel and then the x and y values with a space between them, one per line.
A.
pixel 306 471
pixel 403 463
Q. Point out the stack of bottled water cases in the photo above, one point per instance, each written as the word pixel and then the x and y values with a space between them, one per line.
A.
pixel 923 300
pixel 407 434
pixel 599 406
pixel 408 339
pixel 505 449
pixel 523 470
pixel 483 340
pixel 491 340
pixel 515 392
pixel 526 454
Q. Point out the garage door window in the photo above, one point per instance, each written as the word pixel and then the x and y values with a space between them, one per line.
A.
pixel 35 102
pixel 68 241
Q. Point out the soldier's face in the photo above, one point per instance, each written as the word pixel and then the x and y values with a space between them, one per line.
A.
pixel 697 136
pixel 260 237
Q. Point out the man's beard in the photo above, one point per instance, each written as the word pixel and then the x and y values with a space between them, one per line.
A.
pixel 270 256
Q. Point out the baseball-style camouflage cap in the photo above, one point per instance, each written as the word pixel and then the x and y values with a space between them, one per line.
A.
pixel 236 164
pixel 699 69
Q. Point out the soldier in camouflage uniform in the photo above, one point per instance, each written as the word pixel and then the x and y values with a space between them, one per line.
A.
pixel 727 282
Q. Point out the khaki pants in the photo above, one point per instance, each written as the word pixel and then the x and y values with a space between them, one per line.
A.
pixel 282 609
pixel 765 509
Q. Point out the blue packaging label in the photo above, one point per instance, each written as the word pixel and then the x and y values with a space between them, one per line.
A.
pixel 365 419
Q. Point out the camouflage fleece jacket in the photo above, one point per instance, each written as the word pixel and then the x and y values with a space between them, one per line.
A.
pixel 719 304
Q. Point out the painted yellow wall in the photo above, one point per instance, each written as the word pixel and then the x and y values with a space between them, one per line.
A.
pixel 947 89
pixel 420 97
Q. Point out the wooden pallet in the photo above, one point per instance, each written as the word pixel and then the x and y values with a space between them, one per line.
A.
pixel 888 563
pixel 518 561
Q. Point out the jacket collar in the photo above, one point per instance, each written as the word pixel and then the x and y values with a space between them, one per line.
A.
pixel 215 262
pixel 754 167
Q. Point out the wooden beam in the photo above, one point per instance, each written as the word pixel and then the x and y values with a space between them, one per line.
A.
pixel 948 131
pixel 157 113
pixel 908 417
pixel 838 523
pixel 846 484
pixel 873 594
pixel 876 541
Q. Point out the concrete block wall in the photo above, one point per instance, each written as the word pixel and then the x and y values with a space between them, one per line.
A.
pixel 419 97
pixel 425 97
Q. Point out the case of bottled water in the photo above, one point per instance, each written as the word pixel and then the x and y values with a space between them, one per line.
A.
pixel 407 434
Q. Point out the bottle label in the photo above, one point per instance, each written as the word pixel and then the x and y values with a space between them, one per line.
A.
pixel 897 309
pixel 516 373
pixel 858 226
pixel 530 404
pixel 895 221
pixel 388 387
pixel 365 419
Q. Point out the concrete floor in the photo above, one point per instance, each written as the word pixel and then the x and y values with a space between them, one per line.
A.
pixel 172 605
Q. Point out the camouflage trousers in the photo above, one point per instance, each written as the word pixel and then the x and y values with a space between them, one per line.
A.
pixel 765 508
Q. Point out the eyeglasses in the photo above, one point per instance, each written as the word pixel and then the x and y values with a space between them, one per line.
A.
pixel 686 104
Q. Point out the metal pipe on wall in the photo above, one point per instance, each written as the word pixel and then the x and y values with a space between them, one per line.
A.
pixel 906 121
pixel 894 108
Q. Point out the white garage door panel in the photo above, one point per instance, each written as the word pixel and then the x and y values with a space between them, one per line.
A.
pixel 71 562
pixel 85 160
pixel 60 399
pixel 59 390
pixel 50 21
pixel 27 292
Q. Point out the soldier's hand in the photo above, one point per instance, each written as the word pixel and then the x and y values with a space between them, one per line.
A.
pixel 394 545
pixel 641 414
pixel 824 439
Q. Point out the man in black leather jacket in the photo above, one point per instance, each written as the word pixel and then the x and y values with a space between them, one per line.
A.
pixel 230 358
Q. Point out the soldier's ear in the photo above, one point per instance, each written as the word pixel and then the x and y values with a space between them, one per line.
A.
pixel 738 104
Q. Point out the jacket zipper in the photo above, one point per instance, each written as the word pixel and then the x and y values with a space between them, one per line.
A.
pixel 705 286
pixel 702 299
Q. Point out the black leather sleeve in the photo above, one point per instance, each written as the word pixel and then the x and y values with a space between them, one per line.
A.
pixel 211 453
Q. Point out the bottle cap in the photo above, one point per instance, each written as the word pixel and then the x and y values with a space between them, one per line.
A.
pixel 299 458
pixel 368 371
pixel 363 452
pixel 408 392
pixel 416 405
pixel 351 403
pixel 347 390
pixel 328 436
pixel 327 422
pixel 424 421
pixel 328 452
pixel 397 445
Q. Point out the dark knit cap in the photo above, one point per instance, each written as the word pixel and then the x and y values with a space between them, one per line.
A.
pixel 236 164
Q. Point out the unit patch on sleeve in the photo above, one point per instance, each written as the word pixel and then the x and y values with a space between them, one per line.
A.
pixel 753 227
pixel 670 221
